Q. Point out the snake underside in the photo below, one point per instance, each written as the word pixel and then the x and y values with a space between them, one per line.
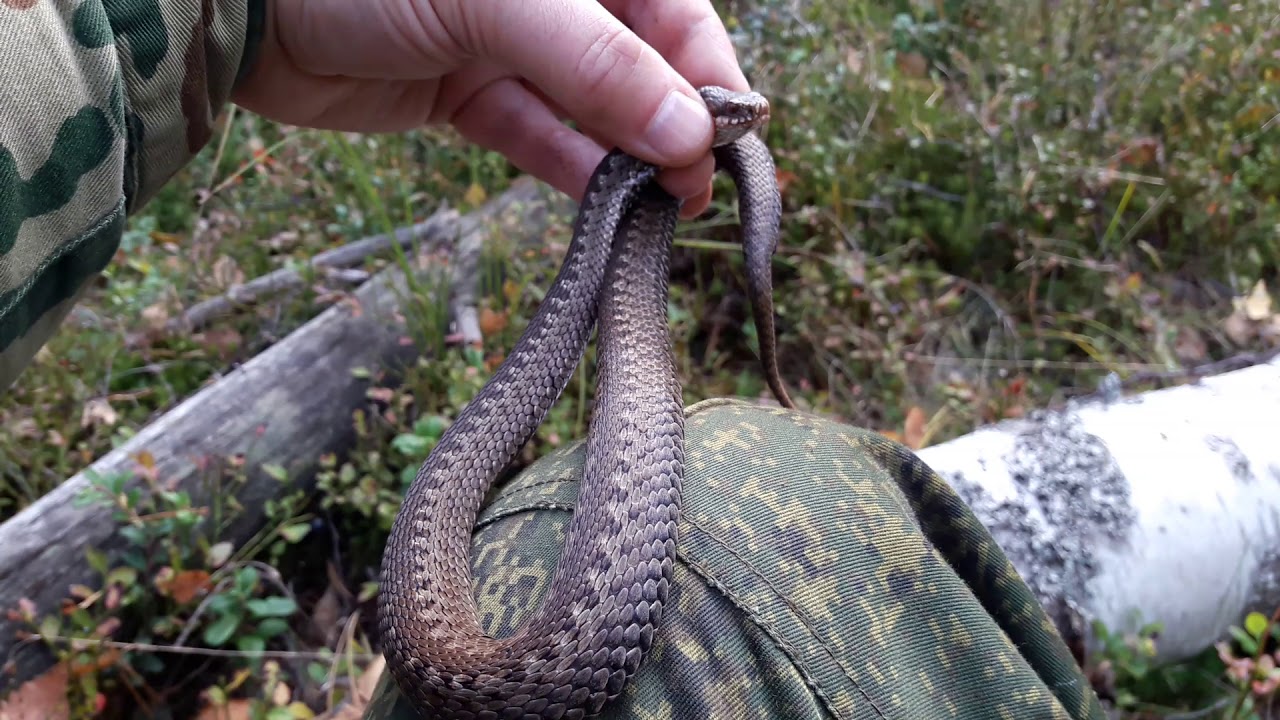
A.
pixel 607 595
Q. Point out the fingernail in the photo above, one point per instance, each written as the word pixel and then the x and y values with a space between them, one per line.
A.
pixel 680 128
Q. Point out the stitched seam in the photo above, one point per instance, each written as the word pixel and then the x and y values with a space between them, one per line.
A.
pixel 502 514
pixel 801 616
pixel 64 250
pixel 786 646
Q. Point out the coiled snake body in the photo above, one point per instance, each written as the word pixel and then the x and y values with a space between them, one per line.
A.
pixel 607 594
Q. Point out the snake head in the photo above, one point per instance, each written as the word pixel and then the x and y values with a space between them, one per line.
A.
pixel 734 113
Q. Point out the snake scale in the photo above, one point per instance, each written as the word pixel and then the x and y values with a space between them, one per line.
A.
pixel 607 594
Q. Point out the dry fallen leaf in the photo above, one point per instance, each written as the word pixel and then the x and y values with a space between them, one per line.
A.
pixel 227 272
pixel 283 241
pixel 785 178
pixel 155 316
pixel 1238 328
pixel 326 617
pixel 1190 346
pixel 913 64
pixel 41 698
pixel 492 323
pixel 185 586
pixel 1251 316
pixel 281 694
pixel 913 428
pixel 1257 305
pixel 98 412
pixel 474 195
pixel 853 60
pixel 354 708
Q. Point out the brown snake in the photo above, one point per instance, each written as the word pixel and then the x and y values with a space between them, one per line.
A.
pixel 607 594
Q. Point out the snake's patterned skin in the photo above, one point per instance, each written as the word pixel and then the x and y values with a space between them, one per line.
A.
pixel 606 599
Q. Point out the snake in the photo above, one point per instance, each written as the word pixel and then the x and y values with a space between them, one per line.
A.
pixel 610 587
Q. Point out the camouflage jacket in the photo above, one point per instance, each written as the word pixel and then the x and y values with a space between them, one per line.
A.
pixel 101 102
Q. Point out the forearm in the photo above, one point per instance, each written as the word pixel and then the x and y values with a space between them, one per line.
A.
pixel 101 102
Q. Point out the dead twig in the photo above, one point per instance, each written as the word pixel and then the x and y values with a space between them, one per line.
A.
pixel 434 229
pixel 81 643
pixel 1217 367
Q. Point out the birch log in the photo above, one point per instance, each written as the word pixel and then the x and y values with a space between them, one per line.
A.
pixel 1163 507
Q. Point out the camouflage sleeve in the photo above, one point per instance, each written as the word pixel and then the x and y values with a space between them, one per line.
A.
pixel 101 102
pixel 823 572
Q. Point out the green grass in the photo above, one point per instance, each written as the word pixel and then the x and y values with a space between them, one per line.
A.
pixel 989 207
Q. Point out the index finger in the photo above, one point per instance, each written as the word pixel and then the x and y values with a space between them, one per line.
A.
pixel 598 70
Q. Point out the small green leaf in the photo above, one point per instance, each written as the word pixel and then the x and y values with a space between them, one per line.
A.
pixel 1247 643
pixel 49 626
pixel 272 626
pixel 360 373
pixel 431 426
pixel 276 471
pixel 1256 624
pixel 246 579
pixel 251 644
pixel 148 663
pixel 317 672
pixel 221 604
pixel 219 631
pixel 279 713
pixel 272 607
pixel 407 475
pixel 294 533
pixel 411 445
pixel 97 560
pixel 134 534
pixel 217 696
pixel 123 575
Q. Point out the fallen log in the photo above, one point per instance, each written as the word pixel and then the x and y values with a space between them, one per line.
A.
pixel 287 406
pixel 344 256
pixel 1162 507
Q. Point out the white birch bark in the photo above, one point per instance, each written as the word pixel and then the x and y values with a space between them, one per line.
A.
pixel 1161 507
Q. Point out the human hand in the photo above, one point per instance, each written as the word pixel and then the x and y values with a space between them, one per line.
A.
pixel 506 74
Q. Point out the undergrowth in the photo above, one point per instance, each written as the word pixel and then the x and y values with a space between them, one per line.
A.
pixel 990 206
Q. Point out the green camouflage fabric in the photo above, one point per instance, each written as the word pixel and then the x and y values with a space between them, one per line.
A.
pixel 824 572
pixel 101 102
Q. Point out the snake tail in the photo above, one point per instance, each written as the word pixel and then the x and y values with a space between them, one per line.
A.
pixel 750 165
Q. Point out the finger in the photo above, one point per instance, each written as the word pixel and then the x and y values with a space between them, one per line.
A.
pixel 688 182
pixel 696 205
pixel 589 63
pixel 685 183
pixel 689 34
pixel 506 117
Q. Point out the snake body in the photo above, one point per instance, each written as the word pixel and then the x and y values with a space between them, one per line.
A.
pixel 608 591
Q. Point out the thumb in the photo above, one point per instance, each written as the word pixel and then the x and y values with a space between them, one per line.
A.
pixel 604 76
